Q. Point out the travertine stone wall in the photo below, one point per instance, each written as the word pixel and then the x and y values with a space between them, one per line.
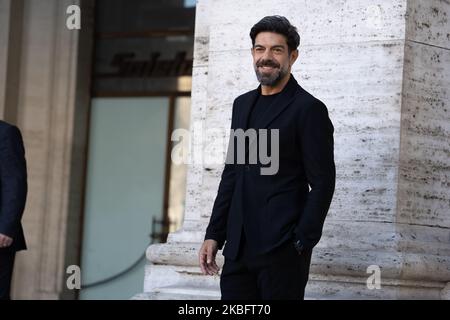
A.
pixel 382 68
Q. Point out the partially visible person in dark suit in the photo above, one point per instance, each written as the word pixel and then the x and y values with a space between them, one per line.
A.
pixel 13 193
pixel 270 224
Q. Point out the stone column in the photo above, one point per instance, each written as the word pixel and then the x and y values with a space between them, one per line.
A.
pixel 383 70
pixel 11 19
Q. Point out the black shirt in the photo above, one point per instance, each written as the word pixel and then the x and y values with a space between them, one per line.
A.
pixel 261 105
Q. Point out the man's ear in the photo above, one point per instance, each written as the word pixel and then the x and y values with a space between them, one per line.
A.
pixel 294 56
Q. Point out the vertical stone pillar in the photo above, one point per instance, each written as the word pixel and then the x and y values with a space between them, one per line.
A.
pixel 11 19
pixel 382 68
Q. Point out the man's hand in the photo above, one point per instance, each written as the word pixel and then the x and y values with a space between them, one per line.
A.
pixel 207 257
pixel 5 241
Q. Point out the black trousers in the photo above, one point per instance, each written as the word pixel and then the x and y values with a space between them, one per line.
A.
pixel 278 275
pixel 6 271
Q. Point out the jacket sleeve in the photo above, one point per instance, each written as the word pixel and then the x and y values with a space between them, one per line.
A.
pixel 217 226
pixel 13 181
pixel 317 149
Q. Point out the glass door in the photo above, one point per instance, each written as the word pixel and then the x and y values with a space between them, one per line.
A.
pixel 124 193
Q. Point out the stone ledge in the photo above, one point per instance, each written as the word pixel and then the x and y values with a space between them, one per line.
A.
pixel 330 261
pixel 178 293
pixel 183 283
pixel 348 288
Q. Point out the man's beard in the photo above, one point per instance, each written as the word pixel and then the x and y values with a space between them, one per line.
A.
pixel 273 78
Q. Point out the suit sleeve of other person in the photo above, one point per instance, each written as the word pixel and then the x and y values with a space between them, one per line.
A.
pixel 13 180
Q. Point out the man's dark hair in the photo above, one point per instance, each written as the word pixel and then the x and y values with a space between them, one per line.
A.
pixel 277 24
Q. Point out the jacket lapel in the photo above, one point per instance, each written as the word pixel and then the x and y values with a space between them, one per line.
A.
pixel 247 108
pixel 275 108
pixel 280 103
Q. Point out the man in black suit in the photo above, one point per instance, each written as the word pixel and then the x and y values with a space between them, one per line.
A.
pixel 13 192
pixel 271 222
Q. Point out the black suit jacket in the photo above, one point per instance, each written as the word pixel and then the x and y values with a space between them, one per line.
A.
pixel 13 185
pixel 273 209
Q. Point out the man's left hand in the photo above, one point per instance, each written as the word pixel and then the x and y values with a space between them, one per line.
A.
pixel 5 241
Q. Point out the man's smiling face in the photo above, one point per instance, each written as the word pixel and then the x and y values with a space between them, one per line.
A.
pixel 271 58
